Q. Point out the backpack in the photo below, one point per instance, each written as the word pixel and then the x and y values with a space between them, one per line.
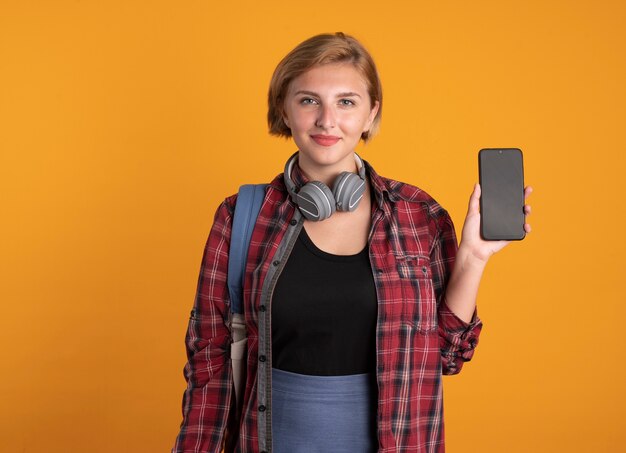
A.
pixel 249 200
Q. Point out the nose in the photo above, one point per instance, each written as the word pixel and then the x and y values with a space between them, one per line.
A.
pixel 326 117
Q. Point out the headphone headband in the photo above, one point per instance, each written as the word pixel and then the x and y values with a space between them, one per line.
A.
pixel 291 187
pixel 316 201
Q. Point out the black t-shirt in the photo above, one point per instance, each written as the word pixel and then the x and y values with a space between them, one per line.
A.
pixel 324 312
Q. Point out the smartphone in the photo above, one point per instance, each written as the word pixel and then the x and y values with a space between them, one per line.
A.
pixel 501 173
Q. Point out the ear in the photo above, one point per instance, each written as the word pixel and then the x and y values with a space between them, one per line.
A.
pixel 371 116
pixel 283 115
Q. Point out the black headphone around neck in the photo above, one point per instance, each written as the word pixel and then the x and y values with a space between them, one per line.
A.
pixel 315 199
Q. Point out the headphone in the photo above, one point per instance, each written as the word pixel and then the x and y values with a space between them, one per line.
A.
pixel 317 202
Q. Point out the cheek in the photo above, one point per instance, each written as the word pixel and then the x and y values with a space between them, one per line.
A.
pixel 302 121
pixel 355 124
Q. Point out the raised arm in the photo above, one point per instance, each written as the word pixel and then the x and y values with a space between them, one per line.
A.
pixel 471 259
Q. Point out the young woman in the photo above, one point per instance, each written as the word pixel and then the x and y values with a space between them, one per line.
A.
pixel 356 296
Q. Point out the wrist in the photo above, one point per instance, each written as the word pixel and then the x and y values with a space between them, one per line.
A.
pixel 469 259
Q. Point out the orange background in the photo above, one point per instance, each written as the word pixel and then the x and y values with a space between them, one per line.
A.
pixel 124 123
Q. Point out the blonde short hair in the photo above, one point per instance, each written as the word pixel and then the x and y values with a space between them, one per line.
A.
pixel 319 50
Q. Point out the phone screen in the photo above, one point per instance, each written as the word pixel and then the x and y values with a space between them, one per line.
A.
pixel 502 194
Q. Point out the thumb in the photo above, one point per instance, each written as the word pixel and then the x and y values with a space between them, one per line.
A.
pixel 474 201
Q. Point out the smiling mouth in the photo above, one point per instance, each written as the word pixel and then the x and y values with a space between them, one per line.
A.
pixel 325 140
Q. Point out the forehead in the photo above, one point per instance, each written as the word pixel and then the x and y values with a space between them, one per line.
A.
pixel 330 78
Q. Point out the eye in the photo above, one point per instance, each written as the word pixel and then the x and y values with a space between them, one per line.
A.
pixel 346 103
pixel 308 101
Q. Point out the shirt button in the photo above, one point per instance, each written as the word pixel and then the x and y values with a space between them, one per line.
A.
pixel 262 308
pixel 262 358
pixel 293 222
pixel 379 271
pixel 261 408
pixel 276 263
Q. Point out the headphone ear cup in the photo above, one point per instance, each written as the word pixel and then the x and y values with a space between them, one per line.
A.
pixel 316 201
pixel 348 191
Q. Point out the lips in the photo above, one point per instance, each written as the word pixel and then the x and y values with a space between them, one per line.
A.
pixel 325 140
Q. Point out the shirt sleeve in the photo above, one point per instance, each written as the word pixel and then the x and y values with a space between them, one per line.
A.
pixel 457 338
pixel 207 399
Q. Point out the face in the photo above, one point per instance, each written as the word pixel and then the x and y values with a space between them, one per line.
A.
pixel 327 109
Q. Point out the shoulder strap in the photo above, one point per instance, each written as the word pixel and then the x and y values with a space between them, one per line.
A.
pixel 247 209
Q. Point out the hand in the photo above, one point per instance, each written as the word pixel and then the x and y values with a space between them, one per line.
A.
pixel 471 241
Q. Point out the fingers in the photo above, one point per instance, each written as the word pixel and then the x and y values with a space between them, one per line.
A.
pixel 527 191
pixel 527 209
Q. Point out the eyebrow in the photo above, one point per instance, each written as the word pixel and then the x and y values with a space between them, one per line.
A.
pixel 339 95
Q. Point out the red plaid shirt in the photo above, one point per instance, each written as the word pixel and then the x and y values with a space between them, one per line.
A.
pixel 412 246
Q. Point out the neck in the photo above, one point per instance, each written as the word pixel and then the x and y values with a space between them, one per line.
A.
pixel 327 174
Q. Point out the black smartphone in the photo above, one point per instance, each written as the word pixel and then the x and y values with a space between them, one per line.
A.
pixel 501 173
